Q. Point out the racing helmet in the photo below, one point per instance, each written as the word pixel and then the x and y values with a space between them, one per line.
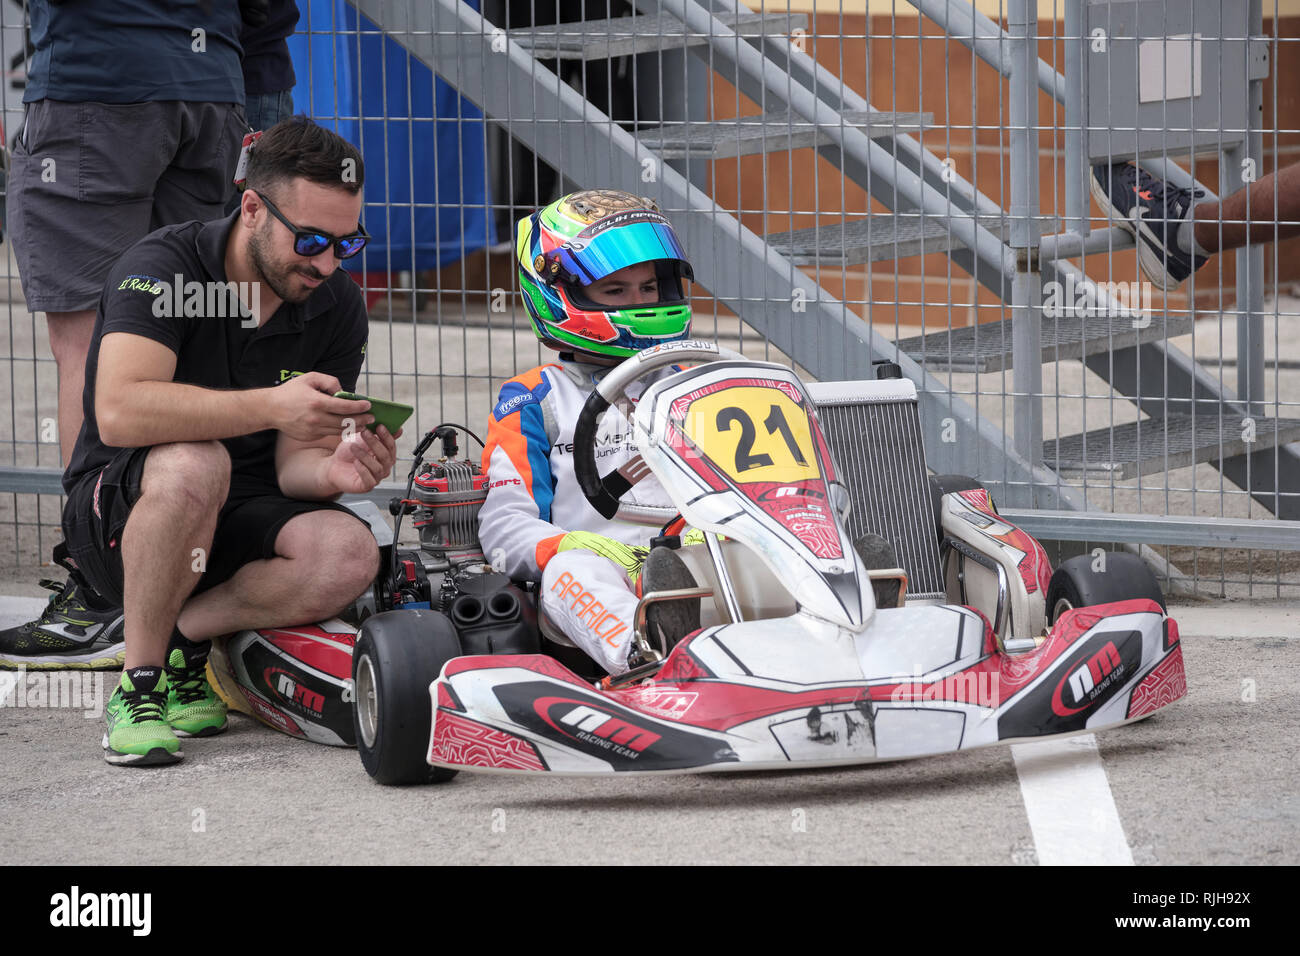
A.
pixel 582 238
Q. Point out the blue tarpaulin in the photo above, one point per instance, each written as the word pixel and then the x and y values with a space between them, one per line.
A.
pixel 424 146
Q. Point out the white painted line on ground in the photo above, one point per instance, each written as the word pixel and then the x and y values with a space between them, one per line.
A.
pixel 1071 810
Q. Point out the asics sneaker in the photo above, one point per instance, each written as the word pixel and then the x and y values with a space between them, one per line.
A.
pixel 74 632
pixel 193 707
pixel 136 733
pixel 1151 210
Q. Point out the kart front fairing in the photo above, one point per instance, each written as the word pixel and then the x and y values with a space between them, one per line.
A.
pixel 799 692
pixel 738 447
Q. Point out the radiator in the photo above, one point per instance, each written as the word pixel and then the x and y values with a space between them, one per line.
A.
pixel 875 435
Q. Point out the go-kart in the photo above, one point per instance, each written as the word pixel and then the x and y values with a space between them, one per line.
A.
pixel 813 653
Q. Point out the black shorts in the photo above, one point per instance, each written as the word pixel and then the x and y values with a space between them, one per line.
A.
pixel 98 505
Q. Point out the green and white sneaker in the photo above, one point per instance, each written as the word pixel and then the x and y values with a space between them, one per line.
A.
pixel 73 633
pixel 136 734
pixel 193 707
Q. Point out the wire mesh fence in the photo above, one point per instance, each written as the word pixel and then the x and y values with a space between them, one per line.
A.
pixel 855 181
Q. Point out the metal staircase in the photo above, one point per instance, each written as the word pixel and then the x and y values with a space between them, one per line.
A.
pixel 805 106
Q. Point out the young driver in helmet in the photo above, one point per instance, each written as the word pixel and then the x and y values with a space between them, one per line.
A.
pixel 601 275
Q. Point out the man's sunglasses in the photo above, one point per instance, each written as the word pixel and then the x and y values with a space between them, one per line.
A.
pixel 312 242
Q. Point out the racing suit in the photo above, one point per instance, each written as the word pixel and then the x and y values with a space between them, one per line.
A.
pixel 534 500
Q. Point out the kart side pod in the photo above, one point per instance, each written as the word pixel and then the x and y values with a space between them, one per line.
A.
pixel 990 564
pixel 299 680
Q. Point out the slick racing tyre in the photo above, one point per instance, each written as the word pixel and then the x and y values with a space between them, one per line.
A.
pixel 941 485
pixel 1118 576
pixel 398 655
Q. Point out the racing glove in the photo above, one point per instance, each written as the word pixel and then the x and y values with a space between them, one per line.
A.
pixel 629 558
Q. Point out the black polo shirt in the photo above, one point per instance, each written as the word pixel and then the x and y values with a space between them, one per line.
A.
pixel 327 333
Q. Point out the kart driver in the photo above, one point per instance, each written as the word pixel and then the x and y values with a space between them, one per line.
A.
pixel 601 274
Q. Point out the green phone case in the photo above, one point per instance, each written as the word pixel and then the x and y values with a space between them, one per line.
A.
pixel 389 414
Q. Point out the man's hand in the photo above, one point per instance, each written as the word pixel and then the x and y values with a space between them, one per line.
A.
pixel 361 461
pixel 305 409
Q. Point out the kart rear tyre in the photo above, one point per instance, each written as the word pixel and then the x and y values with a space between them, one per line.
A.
pixel 397 656
pixel 1075 584
pixel 941 485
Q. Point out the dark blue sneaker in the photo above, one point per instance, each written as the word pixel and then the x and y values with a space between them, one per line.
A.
pixel 1152 210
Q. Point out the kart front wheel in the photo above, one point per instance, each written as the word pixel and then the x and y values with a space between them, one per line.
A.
pixel 397 656
pixel 1088 579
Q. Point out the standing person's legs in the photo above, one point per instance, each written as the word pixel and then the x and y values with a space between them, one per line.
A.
pixel 81 185
pixel 70 334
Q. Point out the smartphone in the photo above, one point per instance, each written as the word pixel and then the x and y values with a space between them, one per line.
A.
pixel 389 414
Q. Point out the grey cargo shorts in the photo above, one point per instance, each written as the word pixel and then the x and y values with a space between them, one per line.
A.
pixel 89 180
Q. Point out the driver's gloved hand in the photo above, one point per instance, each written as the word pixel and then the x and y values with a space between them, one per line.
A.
pixel 628 557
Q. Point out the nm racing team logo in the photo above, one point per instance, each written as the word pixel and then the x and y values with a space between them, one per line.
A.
pixel 1064 699
pixel 624 739
pixel 1097 675
pixel 596 726
pixel 290 690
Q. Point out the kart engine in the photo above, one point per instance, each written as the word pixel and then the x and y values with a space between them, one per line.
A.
pixel 449 572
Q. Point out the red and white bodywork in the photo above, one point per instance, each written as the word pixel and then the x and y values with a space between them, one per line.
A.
pixel 297 680
pixel 739 449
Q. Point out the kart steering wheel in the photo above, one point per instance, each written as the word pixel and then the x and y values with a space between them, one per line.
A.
pixel 604 491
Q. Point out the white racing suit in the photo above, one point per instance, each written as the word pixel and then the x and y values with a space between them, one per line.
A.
pixel 534 500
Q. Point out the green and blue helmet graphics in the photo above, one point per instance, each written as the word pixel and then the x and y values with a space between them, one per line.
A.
pixel 583 238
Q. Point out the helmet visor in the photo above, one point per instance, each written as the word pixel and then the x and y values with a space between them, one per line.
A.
pixel 616 242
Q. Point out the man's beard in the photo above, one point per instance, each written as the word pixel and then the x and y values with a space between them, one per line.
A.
pixel 277 278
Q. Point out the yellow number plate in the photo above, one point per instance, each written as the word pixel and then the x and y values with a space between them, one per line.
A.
pixel 753 433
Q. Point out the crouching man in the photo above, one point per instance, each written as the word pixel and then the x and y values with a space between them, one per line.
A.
pixel 200 493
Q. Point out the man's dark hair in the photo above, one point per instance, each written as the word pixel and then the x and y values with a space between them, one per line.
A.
pixel 297 148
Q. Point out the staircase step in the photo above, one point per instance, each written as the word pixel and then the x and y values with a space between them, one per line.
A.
pixel 986 347
pixel 874 238
pixel 768 132
pixel 603 39
pixel 1163 444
